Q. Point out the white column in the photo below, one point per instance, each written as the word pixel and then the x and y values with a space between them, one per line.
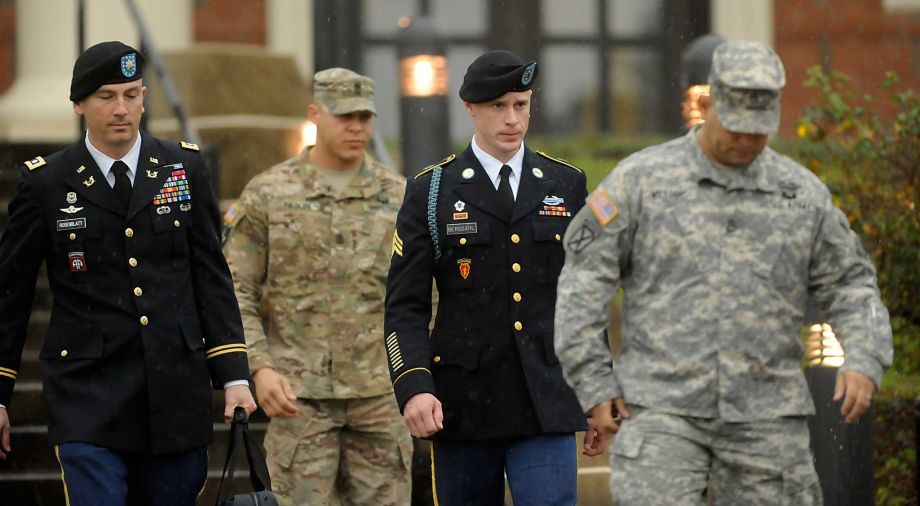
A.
pixel 290 32
pixel 743 19
pixel 36 108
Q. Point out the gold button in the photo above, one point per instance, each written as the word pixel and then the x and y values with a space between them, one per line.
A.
pixel 132 262
pixel 558 237
pixel 73 236
pixel 516 267
pixel 518 325
pixel 463 240
pixel 516 297
pixel 515 238
pixel 138 292
pixel 437 358
pixel 63 353
pixel 144 321
pixel 176 223
pixel 129 232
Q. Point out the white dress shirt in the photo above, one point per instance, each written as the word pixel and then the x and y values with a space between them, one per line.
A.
pixel 493 166
pixel 105 162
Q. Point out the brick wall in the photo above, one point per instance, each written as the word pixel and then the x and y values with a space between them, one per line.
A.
pixel 7 43
pixel 238 21
pixel 856 37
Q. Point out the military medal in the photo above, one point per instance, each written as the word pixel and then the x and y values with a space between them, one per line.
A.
pixel 464 264
pixel 461 216
pixel 164 210
pixel 71 209
pixel 185 207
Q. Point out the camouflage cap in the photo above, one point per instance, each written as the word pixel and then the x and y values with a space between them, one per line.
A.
pixel 344 91
pixel 745 81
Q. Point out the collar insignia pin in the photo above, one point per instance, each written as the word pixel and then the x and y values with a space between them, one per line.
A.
pixel 89 182
pixel 80 169
pixel 152 173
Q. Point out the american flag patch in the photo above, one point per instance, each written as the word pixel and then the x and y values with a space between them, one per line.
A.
pixel 175 189
pixel 604 209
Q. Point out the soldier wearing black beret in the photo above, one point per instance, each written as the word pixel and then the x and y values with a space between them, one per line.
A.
pixel 486 226
pixel 144 320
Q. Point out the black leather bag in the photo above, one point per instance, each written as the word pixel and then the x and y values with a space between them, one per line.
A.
pixel 258 471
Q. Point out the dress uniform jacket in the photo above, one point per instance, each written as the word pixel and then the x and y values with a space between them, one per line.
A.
pixel 489 358
pixel 144 317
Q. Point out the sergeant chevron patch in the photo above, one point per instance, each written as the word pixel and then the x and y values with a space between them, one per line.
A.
pixel 397 244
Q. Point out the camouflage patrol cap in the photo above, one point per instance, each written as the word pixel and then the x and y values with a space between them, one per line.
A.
pixel 343 91
pixel 745 81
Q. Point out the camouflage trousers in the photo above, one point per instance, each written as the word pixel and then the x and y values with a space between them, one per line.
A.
pixel 658 458
pixel 341 452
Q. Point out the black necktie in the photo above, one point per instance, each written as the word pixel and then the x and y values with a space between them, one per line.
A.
pixel 505 195
pixel 122 183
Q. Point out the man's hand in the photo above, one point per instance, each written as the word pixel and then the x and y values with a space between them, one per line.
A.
pixel 607 416
pixel 275 394
pixel 238 395
pixel 4 433
pixel 423 415
pixel 856 389
pixel 595 441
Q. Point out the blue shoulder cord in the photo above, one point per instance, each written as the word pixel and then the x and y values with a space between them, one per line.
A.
pixel 433 190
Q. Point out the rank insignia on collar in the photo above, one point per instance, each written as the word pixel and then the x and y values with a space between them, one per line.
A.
pixel 71 209
pixel 537 172
pixel 461 216
pixel 552 200
pixel 468 173
pixel 460 205
pixel 152 174
pixel 80 169
pixel 464 265
pixel 71 197
pixel 89 182
pixel 154 160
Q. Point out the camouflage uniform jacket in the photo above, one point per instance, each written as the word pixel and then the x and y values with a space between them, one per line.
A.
pixel 716 265
pixel 309 268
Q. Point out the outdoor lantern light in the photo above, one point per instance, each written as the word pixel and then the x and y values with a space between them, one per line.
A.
pixel 423 88
pixel 691 105
pixel 822 346
pixel 423 75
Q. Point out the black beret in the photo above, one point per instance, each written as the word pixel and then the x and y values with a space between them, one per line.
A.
pixel 496 73
pixel 105 63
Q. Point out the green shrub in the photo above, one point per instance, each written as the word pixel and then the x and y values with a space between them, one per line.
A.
pixel 871 163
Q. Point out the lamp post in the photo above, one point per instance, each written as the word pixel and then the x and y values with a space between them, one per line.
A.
pixel 423 95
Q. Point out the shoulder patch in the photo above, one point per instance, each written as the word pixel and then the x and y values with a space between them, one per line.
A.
pixel 232 214
pixel 442 163
pixel 189 146
pixel 559 160
pixel 35 163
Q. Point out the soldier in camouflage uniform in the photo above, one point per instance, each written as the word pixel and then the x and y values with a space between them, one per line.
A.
pixel 716 241
pixel 309 244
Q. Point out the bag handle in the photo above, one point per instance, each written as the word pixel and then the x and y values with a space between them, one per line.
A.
pixel 258 470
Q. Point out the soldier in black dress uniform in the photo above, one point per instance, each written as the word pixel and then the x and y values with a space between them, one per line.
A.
pixel 144 320
pixel 485 386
